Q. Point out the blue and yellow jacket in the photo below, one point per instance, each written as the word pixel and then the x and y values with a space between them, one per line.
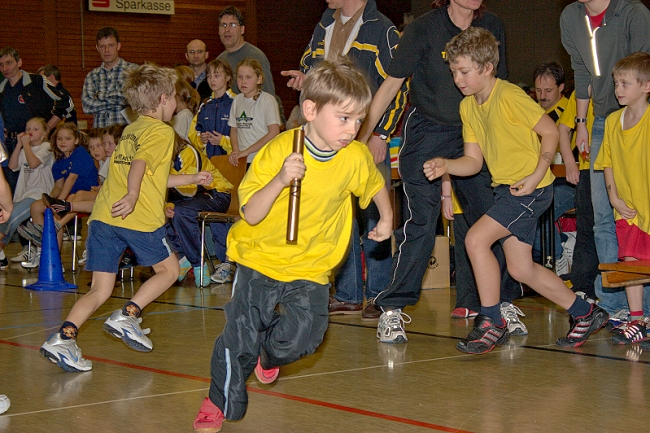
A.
pixel 371 52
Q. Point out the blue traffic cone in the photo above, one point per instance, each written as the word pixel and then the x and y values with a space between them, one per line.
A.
pixel 50 271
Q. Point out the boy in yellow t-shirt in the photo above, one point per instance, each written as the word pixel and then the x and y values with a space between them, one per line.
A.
pixel 279 310
pixel 129 212
pixel 501 124
pixel 624 157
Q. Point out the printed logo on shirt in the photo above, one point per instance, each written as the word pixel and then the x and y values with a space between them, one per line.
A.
pixel 20 99
pixel 243 121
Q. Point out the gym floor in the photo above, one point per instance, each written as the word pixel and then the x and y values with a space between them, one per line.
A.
pixel 351 384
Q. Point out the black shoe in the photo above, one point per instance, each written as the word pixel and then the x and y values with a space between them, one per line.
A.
pixel 58 206
pixel 4 263
pixel 583 327
pixel 484 337
pixel 128 260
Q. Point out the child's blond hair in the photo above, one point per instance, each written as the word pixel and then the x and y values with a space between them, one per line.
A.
pixel 637 64
pixel 146 84
pixel 477 44
pixel 336 82
pixel 256 66
pixel 215 65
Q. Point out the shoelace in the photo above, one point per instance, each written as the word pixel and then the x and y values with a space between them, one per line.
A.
pixel 397 320
pixel 511 312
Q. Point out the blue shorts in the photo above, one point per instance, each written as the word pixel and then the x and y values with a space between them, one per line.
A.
pixel 106 243
pixel 520 214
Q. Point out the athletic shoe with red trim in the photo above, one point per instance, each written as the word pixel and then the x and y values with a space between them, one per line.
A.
pixel 463 313
pixel 266 376
pixel 484 337
pixel 583 327
pixel 209 419
pixel 633 332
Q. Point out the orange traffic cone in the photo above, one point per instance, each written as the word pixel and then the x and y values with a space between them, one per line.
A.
pixel 50 271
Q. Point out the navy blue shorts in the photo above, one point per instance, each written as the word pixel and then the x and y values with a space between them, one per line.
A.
pixel 106 243
pixel 520 214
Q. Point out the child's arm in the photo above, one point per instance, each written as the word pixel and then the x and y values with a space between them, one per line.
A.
pixel 58 185
pixel 126 204
pixel 617 202
pixel 6 205
pixel 13 159
pixel 447 205
pixel 234 142
pixel 572 172
pixel 549 136
pixel 468 164
pixel 260 203
pixel 30 157
pixel 67 186
pixel 201 178
pixel 273 131
pixel 384 227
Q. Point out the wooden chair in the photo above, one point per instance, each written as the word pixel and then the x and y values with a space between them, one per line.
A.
pixel 234 175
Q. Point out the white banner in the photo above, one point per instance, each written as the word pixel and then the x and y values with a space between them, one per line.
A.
pixel 161 7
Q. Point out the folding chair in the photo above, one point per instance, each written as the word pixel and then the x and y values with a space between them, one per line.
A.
pixel 234 175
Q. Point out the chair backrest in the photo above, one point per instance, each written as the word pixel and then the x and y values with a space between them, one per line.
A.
pixel 234 175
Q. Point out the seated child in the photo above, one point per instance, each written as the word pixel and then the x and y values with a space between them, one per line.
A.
pixel 279 308
pixel 625 158
pixel 520 168
pixel 187 102
pixel 73 171
pixel 210 131
pixel 33 158
pixel 254 116
pixel 129 212
pixel 185 202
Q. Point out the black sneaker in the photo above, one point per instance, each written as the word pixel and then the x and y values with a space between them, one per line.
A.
pixel 4 263
pixel 634 332
pixel 128 260
pixel 484 337
pixel 583 327
pixel 58 206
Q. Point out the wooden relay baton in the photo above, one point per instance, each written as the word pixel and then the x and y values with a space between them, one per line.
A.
pixel 294 191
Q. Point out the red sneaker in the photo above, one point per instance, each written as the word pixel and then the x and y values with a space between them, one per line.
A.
pixel 266 376
pixel 462 313
pixel 209 419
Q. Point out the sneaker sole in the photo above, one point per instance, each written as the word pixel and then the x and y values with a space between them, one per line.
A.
pixel 500 342
pixel 54 359
pixel 216 281
pixel 397 340
pixel 519 333
pixel 133 344
pixel 580 343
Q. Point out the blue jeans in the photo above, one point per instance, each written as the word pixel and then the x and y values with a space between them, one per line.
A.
pixel 604 226
pixel 18 216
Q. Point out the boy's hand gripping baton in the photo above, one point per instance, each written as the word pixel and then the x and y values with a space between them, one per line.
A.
pixel 294 191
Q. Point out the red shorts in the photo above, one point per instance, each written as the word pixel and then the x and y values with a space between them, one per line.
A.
pixel 632 241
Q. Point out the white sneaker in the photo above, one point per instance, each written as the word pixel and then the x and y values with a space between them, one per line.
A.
pixel 65 353
pixel 224 273
pixel 511 313
pixel 390 328
pixel 562 265
pixel 568 246
pixel 5 404
pixel 82 260
pixel 34 262
pixel 127 328
pixel 24 254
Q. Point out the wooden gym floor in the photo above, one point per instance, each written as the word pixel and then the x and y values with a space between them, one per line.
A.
pixel 351 384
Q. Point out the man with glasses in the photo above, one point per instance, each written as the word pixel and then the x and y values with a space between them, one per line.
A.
pixel 231 33
pixel 197 55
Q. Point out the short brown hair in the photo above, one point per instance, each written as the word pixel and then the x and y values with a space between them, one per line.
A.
pixel 146 84
pixel 636 63
pixel 10 51
pixel 115 131
pixel 336 82
pixel 477 44
pixel 96 133
pixel 217 64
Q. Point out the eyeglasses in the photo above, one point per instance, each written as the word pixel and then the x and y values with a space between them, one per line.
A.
pixel 192 52
pixel 233 25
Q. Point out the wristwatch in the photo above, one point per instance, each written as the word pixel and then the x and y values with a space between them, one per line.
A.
pixel 580 120
pixel 382 136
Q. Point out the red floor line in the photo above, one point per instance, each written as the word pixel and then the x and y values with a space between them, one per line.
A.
pixel 305 400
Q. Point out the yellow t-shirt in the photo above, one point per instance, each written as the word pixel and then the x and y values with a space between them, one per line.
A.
pixel 568 119
pixel 151 141
pixel 326 212
pixel 187 163
pixel 503 128
pixel 627 153
pixel 555 112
